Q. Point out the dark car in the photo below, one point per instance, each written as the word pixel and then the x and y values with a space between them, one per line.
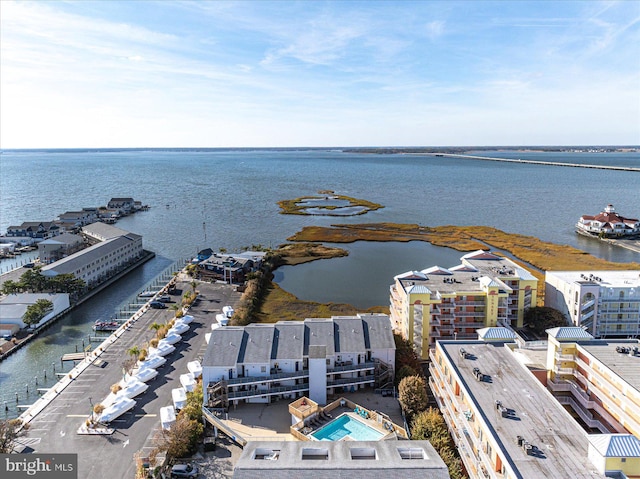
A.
pixel 165 298
pixel 157 305
pixel 184 470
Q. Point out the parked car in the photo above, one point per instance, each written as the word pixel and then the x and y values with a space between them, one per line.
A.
pixel 165 298
pixel 184 470
pixel 157 305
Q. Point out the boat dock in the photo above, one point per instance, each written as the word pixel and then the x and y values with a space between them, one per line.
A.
pixel 538 162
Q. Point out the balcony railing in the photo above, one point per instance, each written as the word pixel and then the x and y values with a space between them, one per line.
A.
pixel 268 392
pixel 271 377
pixel 352 367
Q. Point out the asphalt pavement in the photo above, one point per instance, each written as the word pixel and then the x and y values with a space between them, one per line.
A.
pixel 55 428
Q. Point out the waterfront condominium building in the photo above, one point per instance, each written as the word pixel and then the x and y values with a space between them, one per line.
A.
pixel 315 357
pixel 453 303
pixel 605 303
pixel 507 425
pixel 99 262
pixel 599 379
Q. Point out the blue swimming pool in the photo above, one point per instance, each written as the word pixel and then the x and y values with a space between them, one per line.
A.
pixel 347 426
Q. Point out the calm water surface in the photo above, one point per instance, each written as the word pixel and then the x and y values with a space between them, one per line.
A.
pixel 217 198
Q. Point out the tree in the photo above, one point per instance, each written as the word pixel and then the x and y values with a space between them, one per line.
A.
pixel 412 395
pixel 11 287
pixel 34 280
pixel 540 318
pixel 406 354
pixel 193 407
pixel 35 312
pixel 10 430
pixel 134 352
pixel 403 372
pixel 183 437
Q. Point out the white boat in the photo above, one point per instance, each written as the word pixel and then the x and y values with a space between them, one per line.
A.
pixel 227 311
pixel 178 328
pixel 186 319
pixel 214 326
pixel 133 388
pixel 207 336
pixel 179 396
pixel 222 319
pixel 188 381
pixel 167 417
pixel 162 350
pixel 146 374
pixel 116 410
pixel 153 361
pixel 172 337
pixel 148 294
pixel 195 368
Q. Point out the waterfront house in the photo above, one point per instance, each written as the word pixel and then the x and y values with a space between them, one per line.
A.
pixel 124 205
pixel 485 290
pixel 230 268
pixel 76 219
pixel 605 303
pixel 315 357
pixel 608 223
pixel 35 229
pixel 56 248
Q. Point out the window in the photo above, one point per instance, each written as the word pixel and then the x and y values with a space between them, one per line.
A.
pixel 363 453
pixel 411 453
pixel 315 454
pixel 263 369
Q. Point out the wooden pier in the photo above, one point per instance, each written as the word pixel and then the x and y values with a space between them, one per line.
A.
pixel 73 357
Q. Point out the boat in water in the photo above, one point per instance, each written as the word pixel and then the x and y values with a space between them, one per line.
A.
pixel 111 325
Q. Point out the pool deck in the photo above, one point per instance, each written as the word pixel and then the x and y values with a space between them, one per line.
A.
pixel 271 422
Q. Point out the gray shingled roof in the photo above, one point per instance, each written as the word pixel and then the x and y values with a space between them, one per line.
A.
pixel 319 332
pixel 288 340
pixel 350 334
pixel 378 331
pixel 258 343
pixel 225 347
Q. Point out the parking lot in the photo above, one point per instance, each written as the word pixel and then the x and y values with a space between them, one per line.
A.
pixel 54 429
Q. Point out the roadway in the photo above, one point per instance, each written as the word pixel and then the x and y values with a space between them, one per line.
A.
pixel 54 429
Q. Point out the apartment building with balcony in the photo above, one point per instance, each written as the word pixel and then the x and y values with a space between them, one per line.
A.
pixel 101 261
pixel 605 303
pixel 599 379
pixel 437 303
pixel 261 363
pixel 507 425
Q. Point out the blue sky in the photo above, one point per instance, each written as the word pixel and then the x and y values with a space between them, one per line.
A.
pixel 312 73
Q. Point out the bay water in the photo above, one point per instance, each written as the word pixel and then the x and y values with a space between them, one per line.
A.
pixel 228 199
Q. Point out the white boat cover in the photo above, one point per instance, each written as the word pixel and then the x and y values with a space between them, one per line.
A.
pixel 195 368
pixel 178 328
pixel 186 319
pixel 188 381
pixel 179 396
pixel 207 337
pixel 146 374
pixel 167 417
pixel 227 311
pixel 116 410
pixel 222 319
pixel 162 350
pixel 133 388
pixel 172 337
pixel 153 361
